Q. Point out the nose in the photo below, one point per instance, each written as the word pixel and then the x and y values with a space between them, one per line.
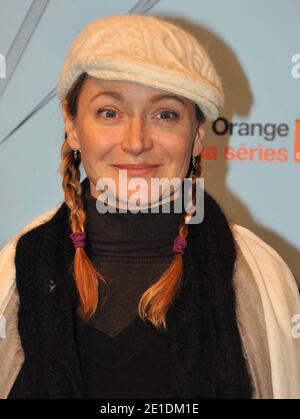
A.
pixel 135 137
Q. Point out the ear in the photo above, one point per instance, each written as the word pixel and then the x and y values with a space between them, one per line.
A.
pixel 69 124
pixel 199 139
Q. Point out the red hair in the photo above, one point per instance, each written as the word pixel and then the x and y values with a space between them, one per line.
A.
pixel 156 300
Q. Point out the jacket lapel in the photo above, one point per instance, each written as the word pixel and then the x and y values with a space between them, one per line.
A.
pixel 58 301
pixel 46 285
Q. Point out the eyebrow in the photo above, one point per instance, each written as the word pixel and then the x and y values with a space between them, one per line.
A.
pixel 155 98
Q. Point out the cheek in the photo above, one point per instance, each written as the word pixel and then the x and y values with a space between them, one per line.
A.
pixel 95 143
pixel 178 149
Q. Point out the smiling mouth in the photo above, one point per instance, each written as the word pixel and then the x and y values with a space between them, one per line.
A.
pixel 136 168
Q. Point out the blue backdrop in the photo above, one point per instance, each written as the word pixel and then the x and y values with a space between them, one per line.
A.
pixel 251 160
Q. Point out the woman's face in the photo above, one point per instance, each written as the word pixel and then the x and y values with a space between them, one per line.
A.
pixel 125 123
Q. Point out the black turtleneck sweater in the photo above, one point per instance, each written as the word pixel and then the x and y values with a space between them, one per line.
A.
pixel 121 356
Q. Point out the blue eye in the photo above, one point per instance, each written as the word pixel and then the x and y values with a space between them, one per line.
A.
pixel 165 112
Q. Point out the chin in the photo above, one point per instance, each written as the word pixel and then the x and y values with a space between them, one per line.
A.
pixel 137 199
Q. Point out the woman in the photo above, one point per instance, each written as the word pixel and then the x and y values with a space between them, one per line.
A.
pixel 124 304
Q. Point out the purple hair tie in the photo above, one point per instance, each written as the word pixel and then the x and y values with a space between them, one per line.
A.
pixel 78 239
pixel 179 244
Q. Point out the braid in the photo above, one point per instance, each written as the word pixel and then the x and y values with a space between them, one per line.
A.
pixel 156 300
pixel 87 277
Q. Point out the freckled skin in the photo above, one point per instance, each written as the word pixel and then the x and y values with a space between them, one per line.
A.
pixel 133 130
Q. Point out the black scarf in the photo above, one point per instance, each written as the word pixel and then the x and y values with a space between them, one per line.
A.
pixel 205 341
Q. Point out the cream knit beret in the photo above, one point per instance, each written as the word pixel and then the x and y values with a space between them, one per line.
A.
pixel 147 50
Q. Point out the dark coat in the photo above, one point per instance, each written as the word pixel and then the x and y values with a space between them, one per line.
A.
pixel 206 344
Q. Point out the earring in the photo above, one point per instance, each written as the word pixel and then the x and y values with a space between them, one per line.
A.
pixel 75 153
pixel 195 165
